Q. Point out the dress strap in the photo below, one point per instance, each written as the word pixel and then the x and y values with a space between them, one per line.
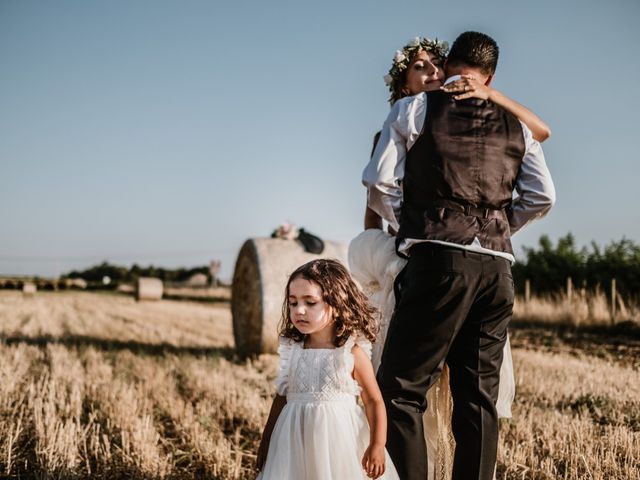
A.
pixel 285 350
pixel 349 359
pixel 359 340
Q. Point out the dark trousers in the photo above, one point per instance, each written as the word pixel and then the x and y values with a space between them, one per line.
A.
pixel 454 306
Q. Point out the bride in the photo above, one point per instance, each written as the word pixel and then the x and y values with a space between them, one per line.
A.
pixel 373 261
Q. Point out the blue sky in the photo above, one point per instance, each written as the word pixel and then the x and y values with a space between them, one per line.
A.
pixel 168 132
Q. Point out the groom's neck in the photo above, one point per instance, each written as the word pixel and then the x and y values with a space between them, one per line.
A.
pixel 465 70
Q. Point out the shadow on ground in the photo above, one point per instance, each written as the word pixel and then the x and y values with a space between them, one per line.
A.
pixel 619 343
pixel 110 345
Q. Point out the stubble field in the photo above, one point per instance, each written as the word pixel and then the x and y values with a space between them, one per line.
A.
pixel 99 386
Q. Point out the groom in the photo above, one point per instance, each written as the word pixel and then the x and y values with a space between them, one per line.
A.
pixel 443 175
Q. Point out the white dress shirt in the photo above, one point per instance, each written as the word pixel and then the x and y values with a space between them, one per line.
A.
pixel 384 173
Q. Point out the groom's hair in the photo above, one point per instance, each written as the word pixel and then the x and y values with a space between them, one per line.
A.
pixel 476 50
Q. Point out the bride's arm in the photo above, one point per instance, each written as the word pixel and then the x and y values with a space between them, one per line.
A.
pixel 470 87
pixel 539 129
pixel 372 220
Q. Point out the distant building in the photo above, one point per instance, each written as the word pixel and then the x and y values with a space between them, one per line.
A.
pixel 75 283
pixel 197 280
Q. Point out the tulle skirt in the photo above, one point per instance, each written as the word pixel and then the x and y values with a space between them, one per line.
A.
pixel 320 440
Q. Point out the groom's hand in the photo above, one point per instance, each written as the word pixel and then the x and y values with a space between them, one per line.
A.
pixel 373 461
pixel 468 87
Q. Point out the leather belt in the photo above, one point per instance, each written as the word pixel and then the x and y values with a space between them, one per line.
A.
pixel 467 209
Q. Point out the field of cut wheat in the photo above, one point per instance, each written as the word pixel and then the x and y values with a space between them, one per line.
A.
pixel 99 386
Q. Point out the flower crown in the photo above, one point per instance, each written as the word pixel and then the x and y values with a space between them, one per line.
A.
pixel 403 58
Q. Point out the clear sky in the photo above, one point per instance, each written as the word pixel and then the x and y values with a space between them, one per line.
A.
pixel 168 132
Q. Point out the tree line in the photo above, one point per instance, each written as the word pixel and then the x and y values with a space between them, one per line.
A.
pixel 548 266
pixel 119 274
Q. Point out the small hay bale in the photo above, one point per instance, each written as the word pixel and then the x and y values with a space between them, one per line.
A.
pixel 149 288
pixel 29 289
pixel 261 272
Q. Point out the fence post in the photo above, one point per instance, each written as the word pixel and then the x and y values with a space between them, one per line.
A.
pixel 613 301
pixel 527 290
pixel 569 290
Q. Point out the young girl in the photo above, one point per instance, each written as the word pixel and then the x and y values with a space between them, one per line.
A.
pixel 316 429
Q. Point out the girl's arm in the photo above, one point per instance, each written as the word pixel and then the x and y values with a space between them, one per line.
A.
pixel 470 87
pixel 276 407
pixel 374 457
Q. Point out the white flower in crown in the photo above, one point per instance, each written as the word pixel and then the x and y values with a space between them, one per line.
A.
pixel 444 45
pixel 400 57
pixel 427 39
pixel 414 43
pixel 388 79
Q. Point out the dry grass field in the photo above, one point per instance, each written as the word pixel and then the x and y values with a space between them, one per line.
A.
pixel 99 386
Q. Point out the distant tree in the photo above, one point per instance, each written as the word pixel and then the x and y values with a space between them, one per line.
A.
pixel 619 260
pixel 548 266
pixel 98 272
pixel 118 274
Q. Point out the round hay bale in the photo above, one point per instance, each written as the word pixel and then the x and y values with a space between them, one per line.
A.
pixel 29 289
pixel 149 288
pixel 262 269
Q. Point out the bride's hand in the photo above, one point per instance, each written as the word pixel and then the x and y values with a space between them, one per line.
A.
pixel 468 87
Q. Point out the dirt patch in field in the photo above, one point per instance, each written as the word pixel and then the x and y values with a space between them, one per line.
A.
pixel 619 343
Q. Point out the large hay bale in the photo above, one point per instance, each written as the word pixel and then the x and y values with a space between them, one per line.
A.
pixel 149 289
pixel 29 289
pixel 262 269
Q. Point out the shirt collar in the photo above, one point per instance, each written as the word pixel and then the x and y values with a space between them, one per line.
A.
pixel 452 78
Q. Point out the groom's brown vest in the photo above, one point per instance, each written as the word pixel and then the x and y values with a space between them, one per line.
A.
pixel 461 172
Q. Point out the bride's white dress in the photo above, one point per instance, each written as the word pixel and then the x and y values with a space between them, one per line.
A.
pixel 322 432
pixel 373 262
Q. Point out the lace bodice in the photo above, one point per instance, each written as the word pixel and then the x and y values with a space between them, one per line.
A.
pixel 317 374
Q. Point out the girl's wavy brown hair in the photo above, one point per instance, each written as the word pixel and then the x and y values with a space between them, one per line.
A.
pixel 353 314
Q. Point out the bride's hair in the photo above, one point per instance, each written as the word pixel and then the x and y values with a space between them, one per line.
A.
pixel 353 314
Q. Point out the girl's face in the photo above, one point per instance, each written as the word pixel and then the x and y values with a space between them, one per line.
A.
pixel 424 74
pixel 307 310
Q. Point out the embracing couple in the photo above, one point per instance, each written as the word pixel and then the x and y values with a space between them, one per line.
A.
pixel 442 175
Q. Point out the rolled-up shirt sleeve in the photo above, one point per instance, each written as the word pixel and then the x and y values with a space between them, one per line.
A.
pixel 536 193
pixel 383 174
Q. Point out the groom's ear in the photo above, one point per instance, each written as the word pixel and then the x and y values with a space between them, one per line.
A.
pixel 488 81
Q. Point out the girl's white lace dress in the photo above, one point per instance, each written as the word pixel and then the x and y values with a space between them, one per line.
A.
pixel 322 432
